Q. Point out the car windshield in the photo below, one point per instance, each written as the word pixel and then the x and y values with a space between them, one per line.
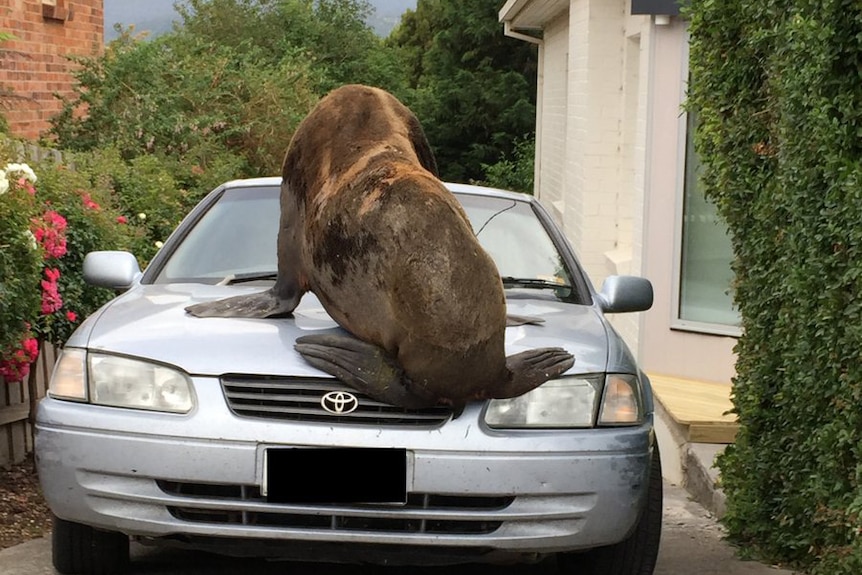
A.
pixel 235 241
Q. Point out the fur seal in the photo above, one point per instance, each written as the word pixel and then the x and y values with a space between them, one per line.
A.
pixel 369 228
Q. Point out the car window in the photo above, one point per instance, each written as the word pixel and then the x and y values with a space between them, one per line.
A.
pixel 237 237
pixel 514 236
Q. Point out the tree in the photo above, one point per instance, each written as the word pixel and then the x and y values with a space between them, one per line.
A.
pixel 472 88
pixel 330 35
pixel 227 86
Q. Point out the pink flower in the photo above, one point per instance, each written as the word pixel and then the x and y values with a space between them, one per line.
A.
pixel 89 203
pixel 71 316
pixel 122 220
pixel 17 367
pixel 51 299
pixel 50 232
pixel 53 274
pixel 31 346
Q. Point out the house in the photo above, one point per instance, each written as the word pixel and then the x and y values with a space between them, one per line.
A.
pixel 615 165
pixel 34 64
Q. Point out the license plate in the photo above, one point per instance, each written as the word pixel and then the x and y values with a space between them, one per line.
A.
pixel 335 475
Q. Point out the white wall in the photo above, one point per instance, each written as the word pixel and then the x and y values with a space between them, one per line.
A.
pixel 610 165
pixel 664 350
pixel 552 117
pixel 590 136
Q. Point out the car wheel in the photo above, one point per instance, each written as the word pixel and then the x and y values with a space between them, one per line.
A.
pixel 82 550
pixel 635 555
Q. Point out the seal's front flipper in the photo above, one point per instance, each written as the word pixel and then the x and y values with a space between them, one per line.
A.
pixel 259 305
pixel 363 366
pixel 530 369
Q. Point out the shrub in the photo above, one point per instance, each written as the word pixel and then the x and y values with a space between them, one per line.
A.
pixel 776 89
pixel 515 173
pixel 94 221
pixel 20 269
pixel 47 225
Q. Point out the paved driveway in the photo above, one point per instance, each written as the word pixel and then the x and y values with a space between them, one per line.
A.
pixel 691 545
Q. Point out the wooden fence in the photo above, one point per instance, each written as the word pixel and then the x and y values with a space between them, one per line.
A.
pixel 18 408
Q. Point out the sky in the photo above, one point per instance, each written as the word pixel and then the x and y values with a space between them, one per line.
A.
pixel 156 15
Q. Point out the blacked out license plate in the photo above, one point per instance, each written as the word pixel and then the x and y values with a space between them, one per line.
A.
pixel 335 475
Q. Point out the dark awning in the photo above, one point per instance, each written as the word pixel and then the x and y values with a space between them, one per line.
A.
pixel 669 7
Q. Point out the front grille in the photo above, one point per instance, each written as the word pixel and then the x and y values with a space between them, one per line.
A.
pixel 299 399
pixel 423 512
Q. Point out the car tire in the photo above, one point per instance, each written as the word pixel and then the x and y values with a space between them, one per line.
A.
pixel 82 550
pixel 635 555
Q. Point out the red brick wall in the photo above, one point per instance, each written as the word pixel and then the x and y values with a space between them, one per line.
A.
pixel 33 64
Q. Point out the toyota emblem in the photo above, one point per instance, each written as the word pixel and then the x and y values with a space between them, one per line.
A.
pixel 339 402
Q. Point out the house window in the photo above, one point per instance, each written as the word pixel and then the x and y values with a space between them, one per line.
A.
pixel 706 278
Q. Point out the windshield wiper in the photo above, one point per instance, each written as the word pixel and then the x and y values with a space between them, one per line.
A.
pixel 532 283
pixel 247 277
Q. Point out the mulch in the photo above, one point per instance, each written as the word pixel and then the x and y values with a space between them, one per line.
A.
pixel 24 515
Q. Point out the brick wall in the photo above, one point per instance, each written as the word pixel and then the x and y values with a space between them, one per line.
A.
pixel 34 63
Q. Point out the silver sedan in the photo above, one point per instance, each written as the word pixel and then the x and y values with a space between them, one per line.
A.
pixel 215 434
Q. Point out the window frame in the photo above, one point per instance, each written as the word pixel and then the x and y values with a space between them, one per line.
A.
pixel 678 323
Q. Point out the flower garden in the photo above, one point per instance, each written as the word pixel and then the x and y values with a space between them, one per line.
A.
pixel 49 219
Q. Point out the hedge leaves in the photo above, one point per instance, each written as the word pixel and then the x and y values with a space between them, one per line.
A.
pixel 777 86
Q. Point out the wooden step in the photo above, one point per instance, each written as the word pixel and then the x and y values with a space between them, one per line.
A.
pixel 700 409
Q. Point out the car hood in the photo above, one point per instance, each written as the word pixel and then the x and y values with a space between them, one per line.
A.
pixel 150 322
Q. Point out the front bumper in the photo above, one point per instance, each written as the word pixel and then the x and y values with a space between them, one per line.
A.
pixel 472 491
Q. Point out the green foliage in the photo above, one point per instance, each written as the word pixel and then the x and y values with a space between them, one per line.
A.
pixel 228 87
pixel 188 99
pixel 515 173
pixel 47 226
pixel 330 36
pixel 153 193
pixel 92 224
pixel 776 86
pixel 20 259
pixel 472 87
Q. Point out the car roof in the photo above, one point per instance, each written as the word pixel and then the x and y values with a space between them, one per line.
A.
pixel 453 187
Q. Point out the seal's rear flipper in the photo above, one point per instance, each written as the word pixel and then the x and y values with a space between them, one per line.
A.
pixel 363 366
pixel 530 369
pixel 258 305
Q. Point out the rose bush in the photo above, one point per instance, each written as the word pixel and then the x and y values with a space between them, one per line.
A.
pixel 47 225
pixel 20 269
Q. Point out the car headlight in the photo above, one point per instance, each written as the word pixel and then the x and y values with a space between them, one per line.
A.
pixel 571 402
pixel 564 402
pixel 622 401
pixel 69 378
pixel 120 382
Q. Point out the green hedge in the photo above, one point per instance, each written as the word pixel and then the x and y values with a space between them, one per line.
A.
pixel 777 87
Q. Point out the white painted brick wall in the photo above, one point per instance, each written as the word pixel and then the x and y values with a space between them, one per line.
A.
pixel 551 184
pixel 592 132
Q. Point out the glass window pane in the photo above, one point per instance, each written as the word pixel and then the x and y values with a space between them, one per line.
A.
pixel 706 276
pixel 515 239
pixel 237 235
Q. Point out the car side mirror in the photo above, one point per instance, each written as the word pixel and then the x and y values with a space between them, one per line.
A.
pixel 624 294
pixel 111 269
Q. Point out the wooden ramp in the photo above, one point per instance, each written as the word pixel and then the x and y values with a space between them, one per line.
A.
pixel 699 409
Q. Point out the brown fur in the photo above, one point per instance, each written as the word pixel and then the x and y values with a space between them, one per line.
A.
pixel 367 226
pixel 387 248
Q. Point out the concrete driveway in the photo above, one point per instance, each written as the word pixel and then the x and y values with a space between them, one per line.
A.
pixel 691 545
